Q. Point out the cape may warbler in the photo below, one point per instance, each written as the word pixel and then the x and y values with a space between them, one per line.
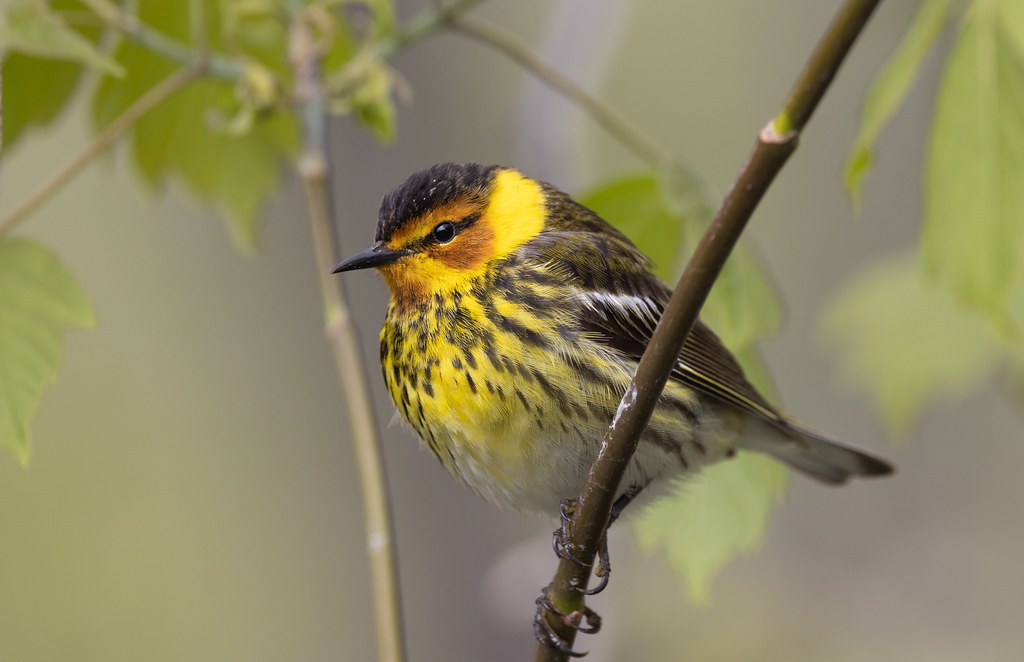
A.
pixel 516 321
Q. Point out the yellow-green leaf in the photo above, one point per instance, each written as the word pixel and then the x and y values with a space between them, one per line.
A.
pixel 39 301
pixel 714 516
pixel 890 88
pixel 383 17
pixel 974 201
pixel 23 72
pixel 34 29
pixel 634 205
pixel 192 136
pixel 1011 17
pixel 907 342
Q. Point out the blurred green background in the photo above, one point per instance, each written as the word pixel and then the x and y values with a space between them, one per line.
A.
pixel 193 495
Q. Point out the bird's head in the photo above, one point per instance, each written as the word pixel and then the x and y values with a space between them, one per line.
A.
pixel 441 229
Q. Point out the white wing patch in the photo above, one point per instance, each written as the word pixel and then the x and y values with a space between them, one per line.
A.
pixel 599 302
pixel 641 313
pixel 638 315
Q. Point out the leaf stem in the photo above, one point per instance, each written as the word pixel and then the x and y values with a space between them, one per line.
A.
pixel 776 143
pixel 315 169
pixel 101 142
pixel 604 115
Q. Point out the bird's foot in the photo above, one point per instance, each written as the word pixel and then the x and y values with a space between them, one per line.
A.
pixel 549 637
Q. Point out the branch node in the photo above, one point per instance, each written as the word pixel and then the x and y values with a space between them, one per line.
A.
pixel 776 133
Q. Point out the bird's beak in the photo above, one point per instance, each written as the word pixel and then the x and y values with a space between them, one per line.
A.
pixel 375 256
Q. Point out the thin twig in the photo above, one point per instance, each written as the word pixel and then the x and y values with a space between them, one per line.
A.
pixel 423 25
pixel 315 169
pixel 109 135
pixel 604 115
pixel 770 153
pixel 218 65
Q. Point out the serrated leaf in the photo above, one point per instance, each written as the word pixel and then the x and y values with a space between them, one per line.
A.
pixel 189 137
pixel 23 72
pixel 34 29
pixel 20 73
pixel 907 342
pixel 39 302
pixel 633 204
pixel 890 88
pixel 974 203
pixel 716 515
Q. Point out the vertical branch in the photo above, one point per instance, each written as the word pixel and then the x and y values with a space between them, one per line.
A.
pixel 1 108
pixel 314 166
pixel 776 143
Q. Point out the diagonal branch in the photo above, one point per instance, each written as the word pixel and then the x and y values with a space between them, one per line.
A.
pixel 775 145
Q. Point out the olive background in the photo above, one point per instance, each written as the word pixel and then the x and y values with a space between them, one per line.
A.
pixel 193 493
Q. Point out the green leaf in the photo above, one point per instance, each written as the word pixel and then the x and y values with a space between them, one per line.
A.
pixel 716 515
pixel 372 101
pixel 973 236
pixel 359 82
pixel 256 27
pixel 686 195
pixel 20 110
pixel 23 72
pixel 383 17
pixel 633 204
pixel 742 306
pixel 39 301
pixel 890 88
pixel 34 29
pixel 907 342
pixel 192 137
pixel 1011 17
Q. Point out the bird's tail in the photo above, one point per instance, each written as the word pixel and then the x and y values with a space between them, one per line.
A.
pixel 812 454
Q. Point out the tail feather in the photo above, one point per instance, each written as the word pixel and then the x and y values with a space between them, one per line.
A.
pixel 815 456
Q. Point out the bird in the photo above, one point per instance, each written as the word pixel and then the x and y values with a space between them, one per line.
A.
pixel 516 320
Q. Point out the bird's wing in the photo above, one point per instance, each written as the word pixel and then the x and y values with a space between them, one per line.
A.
pixel 626 323
pixel 621 303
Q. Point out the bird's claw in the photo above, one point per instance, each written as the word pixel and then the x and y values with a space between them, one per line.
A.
pixel 603 570
pixel 546 634
pixel 560 538
pixel 563 548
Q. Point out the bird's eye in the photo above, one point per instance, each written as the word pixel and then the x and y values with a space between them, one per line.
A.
pixel 443 232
